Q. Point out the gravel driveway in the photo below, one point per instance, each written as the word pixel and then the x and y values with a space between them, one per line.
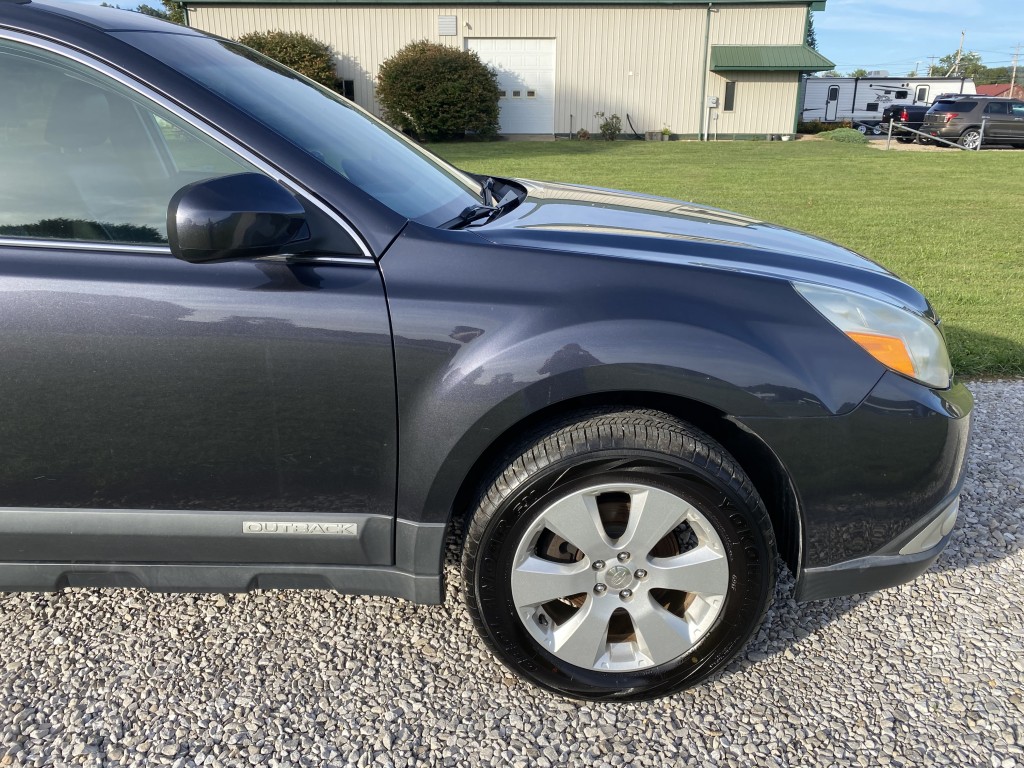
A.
pixel 928 674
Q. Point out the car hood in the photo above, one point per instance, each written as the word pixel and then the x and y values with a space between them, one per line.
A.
pixel 604 222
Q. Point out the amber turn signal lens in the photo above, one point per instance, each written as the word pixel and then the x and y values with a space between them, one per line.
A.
pixel 888 350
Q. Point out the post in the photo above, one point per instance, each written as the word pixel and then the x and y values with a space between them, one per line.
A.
pixel 888 139
pixel 1013 79
pixel 981 140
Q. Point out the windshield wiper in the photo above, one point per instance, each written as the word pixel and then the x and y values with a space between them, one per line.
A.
pixel 471 214
pixel 487 191
pixel 488 211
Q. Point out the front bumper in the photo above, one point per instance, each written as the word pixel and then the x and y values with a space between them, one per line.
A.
pixel 881 571
pixel 870 482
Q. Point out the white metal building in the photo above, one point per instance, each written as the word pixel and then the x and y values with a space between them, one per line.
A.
pixel 661 62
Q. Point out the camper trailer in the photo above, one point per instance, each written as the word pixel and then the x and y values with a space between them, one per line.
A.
pixel 863 99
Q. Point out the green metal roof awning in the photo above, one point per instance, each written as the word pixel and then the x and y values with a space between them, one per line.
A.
pixel 770 58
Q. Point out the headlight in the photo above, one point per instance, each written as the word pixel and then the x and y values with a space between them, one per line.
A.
pixel 897 338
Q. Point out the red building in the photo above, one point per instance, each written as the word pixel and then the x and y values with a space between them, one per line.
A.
pixel 1002 90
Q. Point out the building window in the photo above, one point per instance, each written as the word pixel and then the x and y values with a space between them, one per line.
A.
pixel 516 94
pixel 346 88
pixel 730 96
pixel 447 26
pixel 531 94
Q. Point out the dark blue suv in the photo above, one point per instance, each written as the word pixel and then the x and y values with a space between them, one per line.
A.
pixel 252 338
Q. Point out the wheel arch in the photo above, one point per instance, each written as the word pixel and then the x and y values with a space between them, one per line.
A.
pixel 756 458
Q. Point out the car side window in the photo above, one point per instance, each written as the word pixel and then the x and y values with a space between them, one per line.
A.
pixel 85 158
pixel 1017 109
pixel 997 108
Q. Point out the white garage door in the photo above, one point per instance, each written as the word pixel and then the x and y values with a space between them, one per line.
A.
pixel 526 80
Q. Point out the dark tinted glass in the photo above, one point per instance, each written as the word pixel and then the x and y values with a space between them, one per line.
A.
pixel 377 159
pixel 997 108
pixel 954 106
pixel 85 158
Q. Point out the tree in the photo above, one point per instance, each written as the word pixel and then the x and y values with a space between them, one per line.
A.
pixel 831 73
pixel 858 73
pixel 812 37
pixel 989 75
pixel 151 11
pixel 173 11
pixel 305 54
pixel 438 92
pixel 970 66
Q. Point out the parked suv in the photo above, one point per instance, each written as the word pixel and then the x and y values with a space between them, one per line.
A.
pixel 254 338
pixel 973 120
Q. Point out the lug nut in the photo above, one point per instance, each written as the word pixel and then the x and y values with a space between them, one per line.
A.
pixel 640 573
pixel 600 589
pixel 626 594
pixel 623 557
pixel 598 565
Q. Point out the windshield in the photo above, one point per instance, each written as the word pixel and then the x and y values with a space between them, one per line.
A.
pixel 377 159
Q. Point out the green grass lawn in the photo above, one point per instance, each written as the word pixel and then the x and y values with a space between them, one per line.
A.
pixel 950 223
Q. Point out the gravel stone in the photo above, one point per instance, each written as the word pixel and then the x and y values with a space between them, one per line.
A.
pixel 930 673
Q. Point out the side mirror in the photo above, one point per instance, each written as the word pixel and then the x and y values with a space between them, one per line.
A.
pixel 232 217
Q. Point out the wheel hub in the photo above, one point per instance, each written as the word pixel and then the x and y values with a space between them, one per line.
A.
pixel 619 577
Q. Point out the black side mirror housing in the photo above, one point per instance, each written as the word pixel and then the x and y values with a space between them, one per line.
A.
pixel 232 217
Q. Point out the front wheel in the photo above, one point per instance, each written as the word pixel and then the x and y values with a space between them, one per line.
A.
pixel 970 139
pixel 621 557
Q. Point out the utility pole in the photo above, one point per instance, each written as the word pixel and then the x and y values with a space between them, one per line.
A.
pixel 959 53
pixel 1013 79
pixel 931 66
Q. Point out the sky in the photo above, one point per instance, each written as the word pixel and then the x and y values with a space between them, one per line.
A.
pixel 897 34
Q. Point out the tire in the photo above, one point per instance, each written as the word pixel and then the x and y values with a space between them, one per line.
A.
pixel 863 129
pixel 876 130
pixel 970 139
pixel 904 140
pixel 580 551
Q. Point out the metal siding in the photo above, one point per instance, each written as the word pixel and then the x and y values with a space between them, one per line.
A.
pixel 764 102
pixel 646 61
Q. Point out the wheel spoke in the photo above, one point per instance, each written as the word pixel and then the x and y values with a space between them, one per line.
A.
pixel 539 581
pixel 577 520
pixel 702 571
pixel 661 635
pixel 583 639
pixel 652 516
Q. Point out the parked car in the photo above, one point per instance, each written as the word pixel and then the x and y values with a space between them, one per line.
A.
pixel 974 120
pixel 254 338
pixel 903 116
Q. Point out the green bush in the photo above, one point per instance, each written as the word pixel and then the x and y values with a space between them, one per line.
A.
pixel 845 135
pixel 305 54
pixel 610 127
pixel 813 127
pixel 437 92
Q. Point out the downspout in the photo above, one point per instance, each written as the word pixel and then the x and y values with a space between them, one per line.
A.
pixel 802 89
pixel 704 80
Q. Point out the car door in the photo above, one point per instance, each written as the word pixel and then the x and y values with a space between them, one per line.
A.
pixel 1016 125
pixel 161 411
pixel 998 120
